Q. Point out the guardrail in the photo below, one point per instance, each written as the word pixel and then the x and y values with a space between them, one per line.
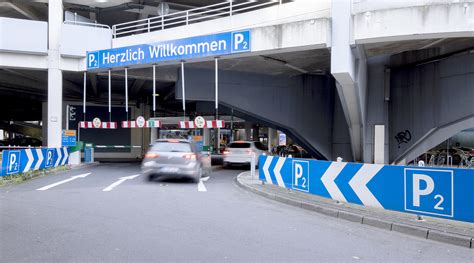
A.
pixel 79 23
pixel 187 17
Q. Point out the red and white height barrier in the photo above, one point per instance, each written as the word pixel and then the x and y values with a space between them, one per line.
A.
pixel 146 124
pixel 102 125
pixel 208 124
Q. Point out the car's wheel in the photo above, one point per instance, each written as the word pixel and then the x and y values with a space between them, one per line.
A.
pixel 199 175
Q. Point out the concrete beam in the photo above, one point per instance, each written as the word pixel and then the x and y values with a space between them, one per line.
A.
pixel 22 9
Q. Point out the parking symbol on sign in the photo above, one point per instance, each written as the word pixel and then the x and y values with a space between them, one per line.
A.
pixel 240 41
pixel 13 165
pixel 429 191
pixel 93 60
pixel 49 158
pixel 300 178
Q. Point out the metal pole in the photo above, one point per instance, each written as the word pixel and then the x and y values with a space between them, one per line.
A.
pixel 84 102
pixel 230 7
pixel 110 98
pixel 183 89
pixel 231 124
pixel 217 86
pixel 126 92
pixel 67 117
pixel 154 89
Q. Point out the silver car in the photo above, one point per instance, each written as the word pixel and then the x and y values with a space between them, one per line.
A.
pixel 175 158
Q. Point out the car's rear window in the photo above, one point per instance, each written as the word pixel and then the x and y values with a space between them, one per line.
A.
pixel 239 145
pixel 171 147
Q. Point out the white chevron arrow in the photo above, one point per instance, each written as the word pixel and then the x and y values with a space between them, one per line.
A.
pixel 328 180
pixel 39 152
pixel 65 156
pixel 29 156
pixel 266 172
pixel 359 184
pixel 121 180
pixel 58 156
pixel 277 171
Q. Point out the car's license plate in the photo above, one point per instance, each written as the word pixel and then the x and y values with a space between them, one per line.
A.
pixel 169 169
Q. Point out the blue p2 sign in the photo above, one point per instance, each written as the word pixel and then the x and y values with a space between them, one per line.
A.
pixel 93 60
pixel 49 158
pixel 13 165
pixel 240 41
pixel 429 191
pixel 300 178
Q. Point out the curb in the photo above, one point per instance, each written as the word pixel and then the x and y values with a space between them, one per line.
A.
pixel 422 232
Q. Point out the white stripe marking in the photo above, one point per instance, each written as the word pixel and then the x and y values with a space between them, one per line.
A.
pixel 62 182
pixel 121 180
pixel 359 184
pixel 201 186
pixel 277 170
pixel 266 172
pixel 328 180
pixel 58 156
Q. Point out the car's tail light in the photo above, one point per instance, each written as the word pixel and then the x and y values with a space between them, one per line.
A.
pixel 190 157
pixel 225 152
pixel 152 155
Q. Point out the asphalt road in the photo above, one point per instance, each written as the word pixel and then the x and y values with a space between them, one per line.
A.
pixel 77 221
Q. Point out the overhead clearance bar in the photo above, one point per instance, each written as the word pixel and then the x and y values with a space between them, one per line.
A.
pixel 167 52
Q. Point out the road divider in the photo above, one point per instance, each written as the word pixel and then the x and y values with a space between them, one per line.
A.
pixel 440 192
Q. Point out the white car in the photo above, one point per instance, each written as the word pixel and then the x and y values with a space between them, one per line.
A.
pixel 241 152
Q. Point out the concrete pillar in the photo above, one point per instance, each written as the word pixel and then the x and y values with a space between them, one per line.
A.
pixel 248 129
pixel 55 77
pixel 255 133
pixel 206 136
pixel 272 138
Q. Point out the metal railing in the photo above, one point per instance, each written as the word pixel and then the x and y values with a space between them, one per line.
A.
pixel 187 17
pixel 79 23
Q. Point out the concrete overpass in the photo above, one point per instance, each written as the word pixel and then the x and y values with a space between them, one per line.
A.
pixel 343 77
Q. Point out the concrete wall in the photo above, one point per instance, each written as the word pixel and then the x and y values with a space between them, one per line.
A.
pixel 433 102
pixel 301 105
pixel 23 36
pixel 90 38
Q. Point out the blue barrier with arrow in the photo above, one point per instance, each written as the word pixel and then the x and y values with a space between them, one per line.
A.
pixel 439 192
pixel 24 160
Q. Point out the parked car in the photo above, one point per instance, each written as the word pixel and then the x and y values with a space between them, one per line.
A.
pixel 296 151
pixel 241 152
pixel 175 158
pixel 26 141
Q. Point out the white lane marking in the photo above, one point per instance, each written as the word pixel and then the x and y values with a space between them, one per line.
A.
pixel 201 186
pixel 204 179
pixel 62 182
pixel 359 184
pixel 121 180
pixel 266 165
pixel 277 170
pixel 328 180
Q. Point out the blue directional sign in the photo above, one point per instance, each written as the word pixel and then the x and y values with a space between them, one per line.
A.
pixel 68 138
pixel 439 192
pixel 20 161
pixel 180 49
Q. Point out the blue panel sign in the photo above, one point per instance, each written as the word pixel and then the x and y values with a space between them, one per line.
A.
pixel 21 161
pixel 186 48
pixel 439 192
pixel 68 138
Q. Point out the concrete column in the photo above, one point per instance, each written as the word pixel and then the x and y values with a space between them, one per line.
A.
pixel 255 133
pixel 272 138
pixel 153 134
pixel 206 136
pixel 248 128
pixel 55 77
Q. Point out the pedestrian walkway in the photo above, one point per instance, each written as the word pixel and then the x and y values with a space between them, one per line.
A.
pixel 443 230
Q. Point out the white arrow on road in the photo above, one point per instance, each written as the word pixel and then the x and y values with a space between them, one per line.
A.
pixel 266 166
pixel 62 182
pixel 201 186
pixel 359 184
pixel 277 170
pixel 39 152
pixel 328 180
pixel 121 180
pixel 29 155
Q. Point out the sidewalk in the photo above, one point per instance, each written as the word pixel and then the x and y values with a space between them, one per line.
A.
pixel 443 230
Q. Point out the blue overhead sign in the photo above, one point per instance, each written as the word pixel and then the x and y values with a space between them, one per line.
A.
pixel 180 49
pixel 440 192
